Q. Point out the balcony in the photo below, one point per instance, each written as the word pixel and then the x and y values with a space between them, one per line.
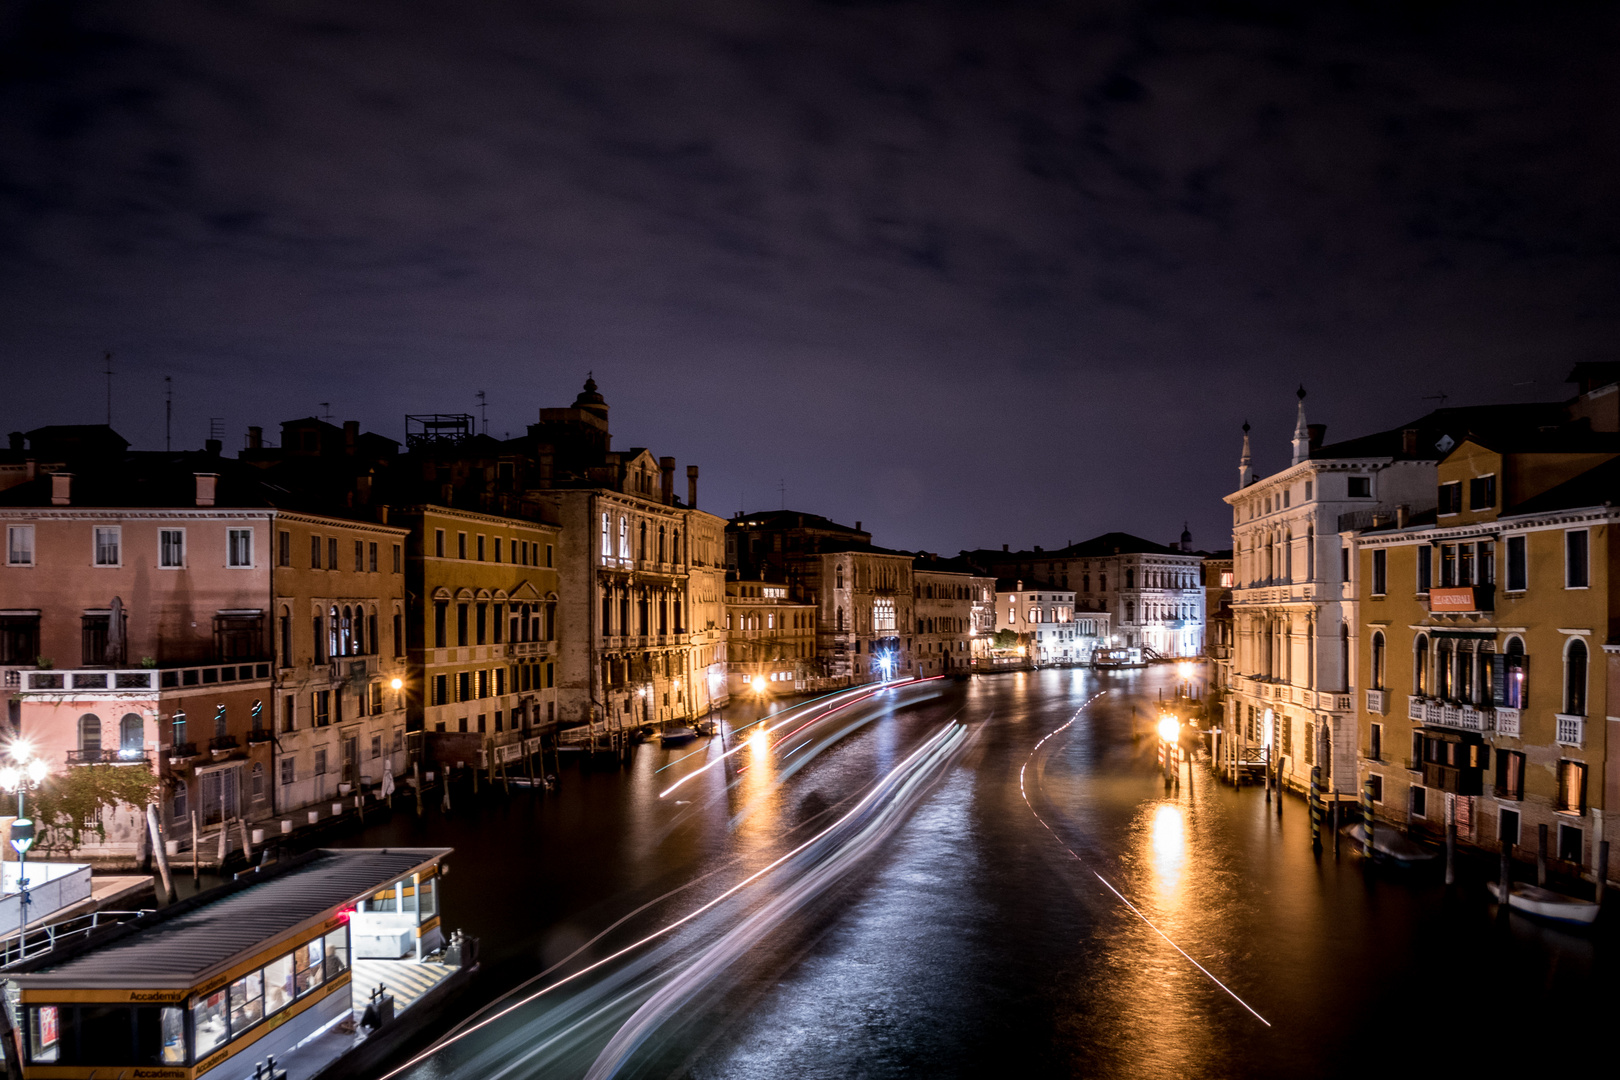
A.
pixel 1571 730
pixel 182 752
pixel 213 674
pixel 259 735
pixel 102 680
pixel 223 744
pixel 107 757
pixel 1449 714
pixel 1378 702
pixel 1507 722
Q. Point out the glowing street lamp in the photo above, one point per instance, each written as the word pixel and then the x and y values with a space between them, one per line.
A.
pixel 25 772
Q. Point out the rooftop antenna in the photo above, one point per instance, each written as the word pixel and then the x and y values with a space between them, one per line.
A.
pixel 483 407
pixel 109 374
pixel 326 411
pixel 168 413
pixel 1440 397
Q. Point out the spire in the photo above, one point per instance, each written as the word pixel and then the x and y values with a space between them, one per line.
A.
pixel 1186 537
pixel 1245 468
pixel 1302 433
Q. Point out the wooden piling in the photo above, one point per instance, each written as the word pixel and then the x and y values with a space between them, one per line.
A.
pixel 416 785
pixel 1541 855
pixel 196 871
pixel 159 850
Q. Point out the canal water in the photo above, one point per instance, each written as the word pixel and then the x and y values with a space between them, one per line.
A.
pixel 1027 907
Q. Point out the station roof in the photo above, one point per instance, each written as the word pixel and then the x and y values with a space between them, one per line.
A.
pixel 187 943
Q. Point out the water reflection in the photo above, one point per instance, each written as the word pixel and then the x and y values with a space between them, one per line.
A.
pixel 1169 843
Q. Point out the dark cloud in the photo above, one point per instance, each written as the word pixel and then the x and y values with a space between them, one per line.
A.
pixel 970 273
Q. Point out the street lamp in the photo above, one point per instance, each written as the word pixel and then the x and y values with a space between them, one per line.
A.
pixel 1169 738
pixel 25 772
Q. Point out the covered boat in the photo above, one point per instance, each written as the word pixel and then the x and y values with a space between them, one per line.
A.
pixel 1534 900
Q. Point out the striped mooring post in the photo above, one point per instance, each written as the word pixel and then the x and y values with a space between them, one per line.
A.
pixel 1366 819
pixel 1316 808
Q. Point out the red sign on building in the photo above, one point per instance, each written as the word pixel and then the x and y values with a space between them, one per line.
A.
pixel 1453 599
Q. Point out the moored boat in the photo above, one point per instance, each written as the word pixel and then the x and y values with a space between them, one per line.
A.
pixel 1534 900
pixel 676 735
pixel 1390 845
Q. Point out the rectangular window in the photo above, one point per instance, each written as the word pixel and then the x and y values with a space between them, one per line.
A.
pixel 109 545
pixel 480 547
pixel 1576 574
pixel 481 622
pixel 320 761
pixel 278 973
pixel 371 557
pixel 500 681
pixel 483 683
pixel 463 686
pixel 440 612
pixel 247 1001
pixel 44 1033
pixel 438 543
pixel 1375 743
pixel 440 689
pixel 321 707
pixel 1507 827
pixel 1376 784
pixel 1569 843
pixel 397 558
pixel 1450 498
pixel 239 548
pixel 548 554
pixel 20 545
pixel 289 714
pixel 1307 491
pixel 1420 801
pixel 1448 565
pixel 314 553
pixel 331 553
pixel 1378 572
pixel 210 1026
pixel 283 549
pixel 172 548
pixel 461 545
pixel 497 549
pixel 461 625
pixel 1571 787
pixel 1482 493
pixel 359 556
pixel 376 704
pixel 1360 487
pixel 1509 774
pixel 1425 566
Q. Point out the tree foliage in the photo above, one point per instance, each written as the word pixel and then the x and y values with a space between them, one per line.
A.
pixel 1006 639
pixel 66 801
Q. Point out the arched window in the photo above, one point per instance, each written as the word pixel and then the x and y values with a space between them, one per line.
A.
pixel 661 551
pixel 90 734
pixel 359 631
pixel 1442 669
pixel 1575 678
pixel 1288 556
pixel 320 640
pixel 607 539
pixel 840 620
pixel 624 537
pixel 675 546
pixel 840 577
pixel 1420 666
pixel 336 632
pixel 371 632
pixel 131 736
pixel 642 541
pixel 1513 675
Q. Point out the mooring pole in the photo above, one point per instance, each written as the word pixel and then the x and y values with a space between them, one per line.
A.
pixel 1316 808
pixel 1541 855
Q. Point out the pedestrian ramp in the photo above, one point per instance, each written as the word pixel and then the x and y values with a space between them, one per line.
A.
pixel 407 980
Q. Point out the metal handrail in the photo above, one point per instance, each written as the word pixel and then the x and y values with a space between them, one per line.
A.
pixel 13 950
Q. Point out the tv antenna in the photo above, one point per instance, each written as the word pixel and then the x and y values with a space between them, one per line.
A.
pixel 326 411
pixel 483 410
pixel 1440 397
pixel 109 373
pixel 168 413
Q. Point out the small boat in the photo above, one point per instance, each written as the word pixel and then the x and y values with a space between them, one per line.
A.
pixel 676 735
pixel 1392 846
pixel 1534 900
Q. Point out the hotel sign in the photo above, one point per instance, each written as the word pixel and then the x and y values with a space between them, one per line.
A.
pixel 1460 599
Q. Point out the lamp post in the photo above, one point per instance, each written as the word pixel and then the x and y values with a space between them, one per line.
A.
pixel 1169 738
pixel 16 778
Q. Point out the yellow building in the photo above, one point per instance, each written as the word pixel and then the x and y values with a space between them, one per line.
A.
pixel 1482 627
pixel 483 634
pixel 770 639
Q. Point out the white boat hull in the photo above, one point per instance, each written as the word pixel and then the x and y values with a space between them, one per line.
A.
pixel 1389 844
pixel 1547 904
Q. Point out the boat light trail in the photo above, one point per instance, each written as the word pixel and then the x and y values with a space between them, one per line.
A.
pixel 925 750
pixel 1108 884
pixel 741 743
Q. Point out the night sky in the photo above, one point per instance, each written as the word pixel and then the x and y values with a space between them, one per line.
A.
pixel 971 273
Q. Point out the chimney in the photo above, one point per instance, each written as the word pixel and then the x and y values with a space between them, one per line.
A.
pixel 858 527
pixel 1402 512
pixel 666 467
pixel 1003 547
pixel 206 483
pixel 213 447
pixel 61 489
pixel 351 435
pixel 1038 549
pixel 16 440
pixel 691 486
pixel 1409 442
pixel 1316 432
pixel 255 438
